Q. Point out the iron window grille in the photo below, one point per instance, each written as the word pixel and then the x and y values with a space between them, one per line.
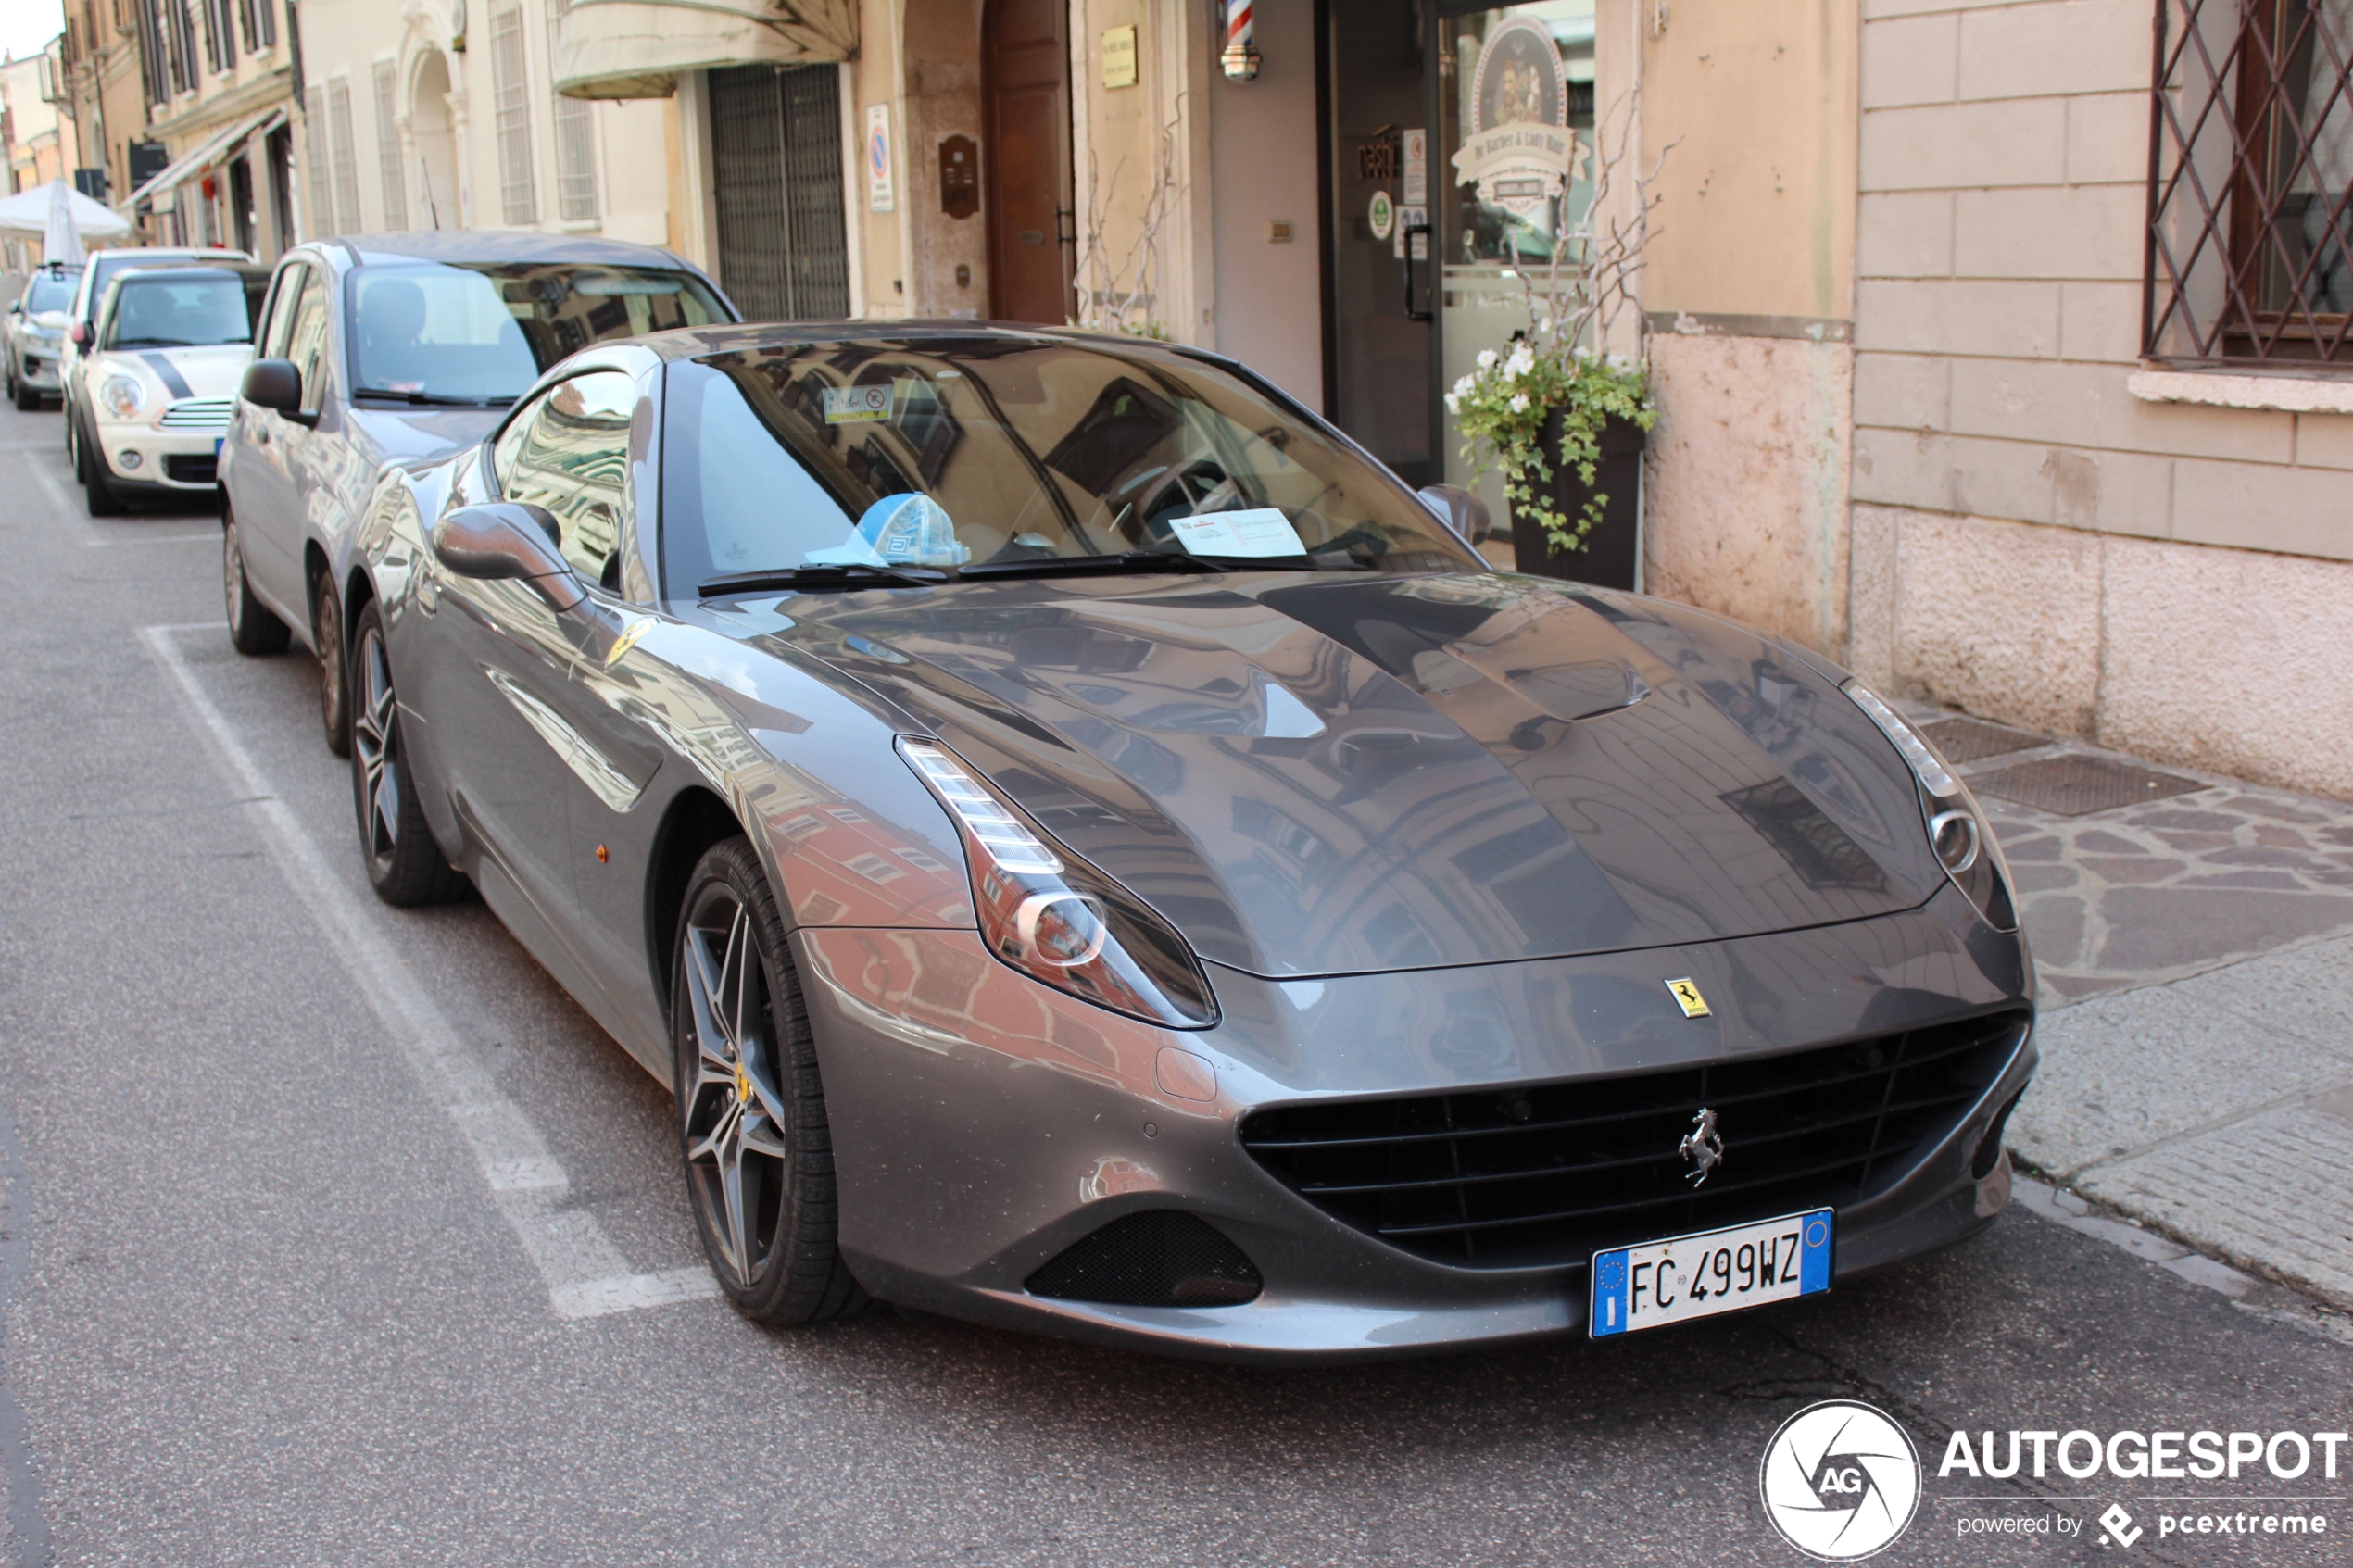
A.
pixel 2250 213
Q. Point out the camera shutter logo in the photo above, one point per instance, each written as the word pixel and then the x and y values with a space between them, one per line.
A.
pixel 1839 1481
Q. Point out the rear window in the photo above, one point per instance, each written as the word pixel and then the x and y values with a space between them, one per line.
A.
pixel 480 333
pixel 195 309
pixel 51 291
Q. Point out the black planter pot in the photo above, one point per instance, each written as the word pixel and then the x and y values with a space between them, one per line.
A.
pixel 1612 551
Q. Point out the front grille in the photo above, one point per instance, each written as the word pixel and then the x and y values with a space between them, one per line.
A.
pixel 1159 1258
pixel 190 468
pixel 197 413
pixel 1548 1174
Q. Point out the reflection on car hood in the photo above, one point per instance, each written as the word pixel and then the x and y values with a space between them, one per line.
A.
pixel 1318 776
pixel 393 435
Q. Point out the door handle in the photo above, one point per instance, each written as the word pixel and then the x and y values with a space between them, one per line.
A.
pixel 1411 296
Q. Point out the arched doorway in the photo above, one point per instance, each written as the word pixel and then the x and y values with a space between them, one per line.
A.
pixel 1024 48
pixel 434 145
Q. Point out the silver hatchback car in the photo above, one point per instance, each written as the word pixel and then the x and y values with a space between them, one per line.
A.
pixel 401 348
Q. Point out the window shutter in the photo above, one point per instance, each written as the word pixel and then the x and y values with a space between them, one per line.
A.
pixel 389 167
pixel 509 78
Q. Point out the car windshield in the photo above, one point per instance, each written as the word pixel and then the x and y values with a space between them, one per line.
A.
pixel 961 451
pixel 468 333
pixel 185 312
pixel 103 268
pixel 50 290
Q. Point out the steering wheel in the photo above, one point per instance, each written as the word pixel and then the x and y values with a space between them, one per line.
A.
pixel 1193 490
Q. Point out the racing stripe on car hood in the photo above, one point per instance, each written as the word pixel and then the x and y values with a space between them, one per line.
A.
pixel 167 373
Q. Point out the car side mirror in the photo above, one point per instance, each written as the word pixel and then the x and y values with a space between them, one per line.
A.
pixel 16 308
pixel 509 539
pixel 275 383
pixel 1463 513
pixel 80 333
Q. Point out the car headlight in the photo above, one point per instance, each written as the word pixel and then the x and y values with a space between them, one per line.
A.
pixel 1048 913
pixel 122 395
pixel 1958 829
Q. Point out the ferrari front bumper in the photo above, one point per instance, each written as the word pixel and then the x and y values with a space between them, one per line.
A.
pixel 983 1124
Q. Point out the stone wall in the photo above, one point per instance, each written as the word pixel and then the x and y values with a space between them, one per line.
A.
pixel 2033 542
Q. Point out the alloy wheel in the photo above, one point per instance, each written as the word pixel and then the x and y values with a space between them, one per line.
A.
pixel 232 570
pixel 732 1115
pixel 376 739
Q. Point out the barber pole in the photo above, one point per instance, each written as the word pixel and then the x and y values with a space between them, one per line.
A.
pixel 1239 57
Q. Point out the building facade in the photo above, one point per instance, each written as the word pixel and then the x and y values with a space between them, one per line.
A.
pixel 104 91
pixel 445 116
pixel 2001 347
pixel 214 163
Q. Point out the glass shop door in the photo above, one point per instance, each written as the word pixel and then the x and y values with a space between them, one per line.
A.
pixel 1381 366
pixel 1500 202
pixel 1443 196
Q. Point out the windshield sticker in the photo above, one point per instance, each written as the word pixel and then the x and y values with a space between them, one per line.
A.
pixel 910 530
pixel 1258 531
pixel 856 405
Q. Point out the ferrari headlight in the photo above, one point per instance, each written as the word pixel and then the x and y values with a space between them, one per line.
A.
pixel 122 395
pixel 1958 830
pixel 1048 913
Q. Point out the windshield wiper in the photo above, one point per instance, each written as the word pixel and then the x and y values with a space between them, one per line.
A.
pixel 856 576
pixel 1086 566
pixel 170 343
pixel 432 400
pixel 1152 560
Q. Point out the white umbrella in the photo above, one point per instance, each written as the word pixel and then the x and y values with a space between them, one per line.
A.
pixel 26 212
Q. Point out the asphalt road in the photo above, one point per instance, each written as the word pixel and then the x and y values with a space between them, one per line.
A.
pixel 267 1300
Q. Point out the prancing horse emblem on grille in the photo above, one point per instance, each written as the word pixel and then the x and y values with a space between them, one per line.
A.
pixel 1702 1146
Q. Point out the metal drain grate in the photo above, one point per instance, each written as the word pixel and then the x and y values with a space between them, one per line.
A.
pixel 1966 740
pixel 2076 786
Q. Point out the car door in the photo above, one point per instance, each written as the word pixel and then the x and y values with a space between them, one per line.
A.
pixel 513 745
pixel 273 528
pixel 251 470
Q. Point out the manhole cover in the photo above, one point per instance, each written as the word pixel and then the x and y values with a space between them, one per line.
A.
pixel 1966 740
pixel 2074 787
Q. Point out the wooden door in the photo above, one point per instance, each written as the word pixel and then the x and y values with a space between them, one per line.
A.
pixel 1026 74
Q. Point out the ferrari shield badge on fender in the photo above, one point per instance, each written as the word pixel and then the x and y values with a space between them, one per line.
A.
pixel 1687 997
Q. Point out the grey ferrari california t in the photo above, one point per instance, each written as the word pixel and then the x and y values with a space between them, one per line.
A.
pixel 1092 852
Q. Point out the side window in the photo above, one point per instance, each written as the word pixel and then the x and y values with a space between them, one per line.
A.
pixel 270 341
pixel 569 452
pixel 306 341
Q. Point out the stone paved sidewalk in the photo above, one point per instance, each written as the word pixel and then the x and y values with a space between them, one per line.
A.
pixel 2195 954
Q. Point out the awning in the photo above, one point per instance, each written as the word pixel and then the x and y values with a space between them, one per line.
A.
pixel 208 153
pixel 636 48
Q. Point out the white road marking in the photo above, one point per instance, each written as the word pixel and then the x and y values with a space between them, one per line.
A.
pixel 48 482
pixel 585 1274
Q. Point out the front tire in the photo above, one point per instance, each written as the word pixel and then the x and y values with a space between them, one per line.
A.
pixel 252 629
pixel 751 1112
pixel 98 496
pixel 404 863
pixel 335 687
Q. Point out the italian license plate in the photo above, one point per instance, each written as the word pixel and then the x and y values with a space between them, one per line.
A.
pixel 216 444
pixel 1699 1275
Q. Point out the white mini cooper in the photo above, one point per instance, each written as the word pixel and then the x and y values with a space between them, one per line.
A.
pixel 158 379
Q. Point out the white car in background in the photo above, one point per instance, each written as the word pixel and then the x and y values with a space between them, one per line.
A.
pixel 36 333
pixel 159 377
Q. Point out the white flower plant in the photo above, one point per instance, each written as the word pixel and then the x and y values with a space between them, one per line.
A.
pixel 1556 364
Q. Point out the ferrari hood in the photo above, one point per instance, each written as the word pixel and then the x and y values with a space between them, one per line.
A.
pixel 1338 774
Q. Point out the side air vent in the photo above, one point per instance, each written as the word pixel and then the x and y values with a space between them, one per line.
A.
pixel 1159 1258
